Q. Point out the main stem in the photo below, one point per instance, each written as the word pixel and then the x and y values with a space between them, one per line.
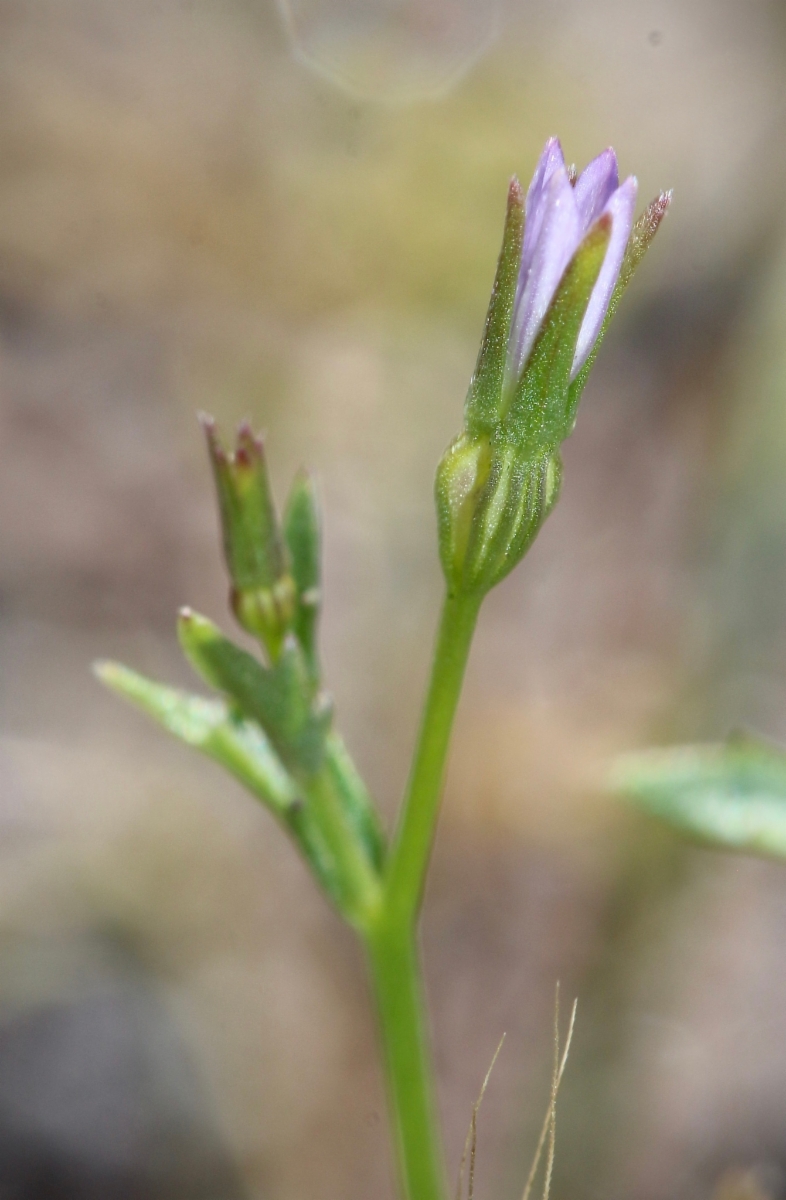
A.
pixel 411 848
pixel 392 938
pixel 398 991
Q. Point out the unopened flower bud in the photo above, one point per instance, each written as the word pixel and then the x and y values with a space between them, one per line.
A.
pixel 568 252
pixel 262 594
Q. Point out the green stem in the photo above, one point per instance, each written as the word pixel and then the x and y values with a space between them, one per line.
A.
pixel 411 849
pixel 391 940
pixel 410 1078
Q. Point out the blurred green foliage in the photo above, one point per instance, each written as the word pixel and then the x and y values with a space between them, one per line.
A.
pixel 732 795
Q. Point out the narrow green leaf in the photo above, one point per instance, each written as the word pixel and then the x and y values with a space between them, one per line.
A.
pixel 302 535
pixel 241 747
pixel 358 807
pixel 280 698
pixel 731 795
pixel 535 420
pixel 211 727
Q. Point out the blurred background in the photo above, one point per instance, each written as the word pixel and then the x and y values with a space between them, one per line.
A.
pixel 293 213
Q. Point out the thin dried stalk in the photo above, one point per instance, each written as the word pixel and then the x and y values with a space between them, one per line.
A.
pixel 470 1144
pixel 549 1127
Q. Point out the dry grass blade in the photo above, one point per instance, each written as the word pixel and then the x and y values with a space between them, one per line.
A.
pixel 553 1101
pixel 470 1144
pixel 549 1127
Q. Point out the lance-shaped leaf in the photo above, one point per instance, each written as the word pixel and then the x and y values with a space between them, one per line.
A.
pixel 536 417
pixel 241 747
pixel 280 698
pixel 355 801
pixel 484 400
pixel 210 726
pixel 302 534
pixel 731 795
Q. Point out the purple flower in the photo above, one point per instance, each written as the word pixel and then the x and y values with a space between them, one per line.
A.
pixel 560 211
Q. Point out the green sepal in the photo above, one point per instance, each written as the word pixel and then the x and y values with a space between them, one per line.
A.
pixel 356 803
pixel 491 502
pixel 641 235
pixel 731 795
pixel 521 492
pixel 303 538
pixel 483 405
pixel 461 478
pixel 281 698
pixel 241 747
pixel 537 415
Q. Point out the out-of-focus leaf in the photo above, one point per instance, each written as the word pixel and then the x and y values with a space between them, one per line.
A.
pixel 302 535
pixel 355 800
pixel 732 795
pixel 237 744
pixel 240 746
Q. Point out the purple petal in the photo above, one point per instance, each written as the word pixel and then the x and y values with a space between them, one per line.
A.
pixel 620 206
pixel 558 235
pixel 595 186
pixel 551 160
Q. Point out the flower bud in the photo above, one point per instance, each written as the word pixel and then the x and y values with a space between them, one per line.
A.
pixel 262 595
pixel 568 252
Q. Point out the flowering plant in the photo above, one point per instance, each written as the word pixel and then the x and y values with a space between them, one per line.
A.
pixel 568 252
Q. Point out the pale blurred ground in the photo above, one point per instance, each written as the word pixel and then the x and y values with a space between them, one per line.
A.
pixel 293 214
